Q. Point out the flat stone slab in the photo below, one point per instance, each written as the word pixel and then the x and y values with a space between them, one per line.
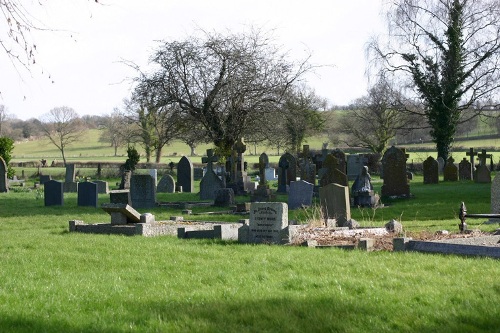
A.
pixel 474 246
pixel 130 213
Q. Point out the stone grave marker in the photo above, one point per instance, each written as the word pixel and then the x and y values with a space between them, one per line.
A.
pixel 154 173
pixel 431 171
pixel 210 181
pixel 267 222
pixel 495 197
pixel 332 173
pixel 44 179
pixel 483 174
pixel 335 203
pixel 471 153
pixel 3 176
pixel 70 186
pixel 355 163
pixel 441 163
pixel 300 194
pixel 395 177
pixel 53 193
pixel 450 172
pixel 121 213
pixel 185 175
pixel 262 193
pixel 102 186
pixel 142 191
pixel 465 170
pixel 224 197
pixel 87 194
pixel 341 159
pixel 307 167
pixel 120 197
pixel 287 171
pixel 166 185
pixel 125 182
pixel 362 190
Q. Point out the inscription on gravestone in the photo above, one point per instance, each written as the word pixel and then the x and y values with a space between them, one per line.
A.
pixel 267 222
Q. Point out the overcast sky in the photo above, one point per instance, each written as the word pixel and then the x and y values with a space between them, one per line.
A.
pixel 83 53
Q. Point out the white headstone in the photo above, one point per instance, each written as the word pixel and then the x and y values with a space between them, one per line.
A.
pixel 267 222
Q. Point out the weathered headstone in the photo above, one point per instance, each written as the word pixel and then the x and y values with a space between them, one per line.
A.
pixel 483 174
pixel 87 194
pixel 3 176
pixel 236 165
pixel 142 191
pixel 154 173
pixel 44 179
pixel 355 165
pixel 465 170
pixel 495 197
pixel 185 175
pixel 267 222
pixel 166 185
pixel 362 190
pixel 450 172
pixel 441 163
pixel 307 167
pixel 332 173
pixel 287 171
pixel 341 159
pixel 300 194
pixel 70 173
pixel 224 197
pixel 121 213
pixel 120 197
pixel 471 153
pixel 335 203
pixel 53 193
pixel 395 178
pixel 262 193
pixel 210 181
pixel 431 171
pixel 125 182
pixel 102 186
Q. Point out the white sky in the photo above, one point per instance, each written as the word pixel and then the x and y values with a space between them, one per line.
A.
pixel 83 56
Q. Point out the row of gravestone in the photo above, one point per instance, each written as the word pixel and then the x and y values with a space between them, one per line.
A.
pixel 451 172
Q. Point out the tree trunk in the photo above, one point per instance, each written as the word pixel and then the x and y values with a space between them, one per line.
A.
pixel 158 154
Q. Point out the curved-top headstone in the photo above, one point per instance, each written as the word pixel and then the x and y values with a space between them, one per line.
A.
pixel 431 171
pixel 287 171
pixel 185 175
pixel 395 177
pixel 166 184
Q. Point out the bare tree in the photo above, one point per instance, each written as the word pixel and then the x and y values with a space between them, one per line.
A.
pixel 114 130
pixel 224 82
pixel 376 118
pixel 449 52
pixel 3 118
pixel 62 126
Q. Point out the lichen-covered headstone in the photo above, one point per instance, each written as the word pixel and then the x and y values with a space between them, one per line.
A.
pixel 431 171
pixel 395 176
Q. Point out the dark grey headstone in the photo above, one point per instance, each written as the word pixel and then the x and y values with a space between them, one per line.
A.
pixel 125 183
pixel 464 170
pixel 70 173
pixel 166 185
pixel 142 191
pixel 102 186
pixel 87 194
pixel 431 171
pixel 3 176
pixel 209 184
pixel 395 177
pixel 185 175
pixel 53 193
pixel 300 194
pixel 70 187
pixel 224 197
pixel 355 165
pixel 287 171
pixel 44 179
pixel 450 171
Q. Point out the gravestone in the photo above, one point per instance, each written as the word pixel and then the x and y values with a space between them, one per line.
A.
pixel 431 171
pixel 87 194
pixel 300 194
pixel 483 174
pixel 450 172
pixel 268 221
pixel 441 163
pixel 341 159
pixel 224 197
pixel 3 176
pixel 495 197
pixel 53 193
pixel 307 168
pixel 154 173
pixel 70 186
pixel 332 173
pixel 471 153
pixel 287 171
pixel 210 181
pixel 362 190
pixel 44 179
pixel 395 177
pixel 102 186
pixel 142 191
pixel 125 183
pixel 237 171
pixel 464 170
pixel 185 175
pixel 262 193
pixel 355 165
pixel 121 213
pixel 166 185
pixel 335 203
pixel 120 197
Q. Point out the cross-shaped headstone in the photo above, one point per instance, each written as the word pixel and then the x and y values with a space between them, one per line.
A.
pixel 471 155
pixel 483 156
pixel 210 159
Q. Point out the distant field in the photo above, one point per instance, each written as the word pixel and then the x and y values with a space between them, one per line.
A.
pixel 90 149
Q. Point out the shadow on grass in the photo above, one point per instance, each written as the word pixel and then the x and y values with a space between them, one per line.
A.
pixel 264 315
